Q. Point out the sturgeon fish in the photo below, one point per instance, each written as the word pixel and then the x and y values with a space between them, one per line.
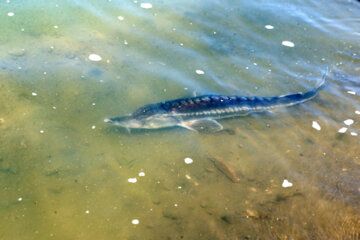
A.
pixel 201 113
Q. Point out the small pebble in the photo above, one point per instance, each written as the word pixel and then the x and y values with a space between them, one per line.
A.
pixel 20 199
pixel 34 94
pixel 286 184
pixel 141 174
pixel 121 18
pixel 200 72
pixel 342 130
pixel 349 122
pixel 94 57
pixel 316 125
pixel 132 180
pixel 351 92
pixel 288 44
pixel 135 221
pixel 353 134
pixel 93 127
pixel 269 27
pixel 146 5
pixel 188 160
pixel 357 112
pixel 41 131
pixel 10 14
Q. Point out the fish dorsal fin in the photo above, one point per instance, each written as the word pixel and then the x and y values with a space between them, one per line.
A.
pixel 202 125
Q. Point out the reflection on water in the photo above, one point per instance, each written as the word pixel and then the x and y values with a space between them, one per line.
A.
pixel 64 174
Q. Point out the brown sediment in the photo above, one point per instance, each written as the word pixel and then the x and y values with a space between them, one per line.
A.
pixel 225 169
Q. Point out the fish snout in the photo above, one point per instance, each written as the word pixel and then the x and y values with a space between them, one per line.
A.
pixel 108 120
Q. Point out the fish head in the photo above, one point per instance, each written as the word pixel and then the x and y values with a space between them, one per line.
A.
pixel 148 117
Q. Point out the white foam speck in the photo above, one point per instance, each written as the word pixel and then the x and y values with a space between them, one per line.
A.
pixel 41 131
pixel 10 14
pixel 316 125
pixel 93 104
pixel 125 42
pixel 342 130
pixel 93 127
pixel 286 184
pixel 56 26
pixel 288 44
pixel 121 18
pixel 20 199
pixel 200 72
pixel 175 205
pixel 349 122
pixel 353 134
pixel 146 5
pixel 135 221
pixel 87 211
pixel 351 92
pixel 94 57
pixel 132 180
pixel 141 174
pixel 269 27
pixel 188 160
pixel 357 112
pixel 54 107
pixel 34 94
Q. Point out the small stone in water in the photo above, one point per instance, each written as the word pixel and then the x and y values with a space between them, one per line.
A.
pixel 94 57
pixel 288 44
pixel 349 122
pixel 132 180
pixel 353 134
pixel 200 72
pixel 286 184
pixel 342 130
pixel 146 5
pixel 188 160
pixel 316 125
pixel 135 221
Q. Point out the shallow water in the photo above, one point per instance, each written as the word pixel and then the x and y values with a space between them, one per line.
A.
pixel 64 173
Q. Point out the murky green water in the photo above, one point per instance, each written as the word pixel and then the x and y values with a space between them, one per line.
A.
pixel 64 174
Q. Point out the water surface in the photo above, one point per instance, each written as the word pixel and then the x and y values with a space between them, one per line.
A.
pixel 64 173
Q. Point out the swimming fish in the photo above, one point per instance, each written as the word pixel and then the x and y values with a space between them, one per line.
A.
pixel 200 113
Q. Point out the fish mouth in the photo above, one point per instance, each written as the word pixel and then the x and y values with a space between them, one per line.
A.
pixel 124 121
pixel 107 120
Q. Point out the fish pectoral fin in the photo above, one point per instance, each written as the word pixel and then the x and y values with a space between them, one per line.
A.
pixel 202 125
